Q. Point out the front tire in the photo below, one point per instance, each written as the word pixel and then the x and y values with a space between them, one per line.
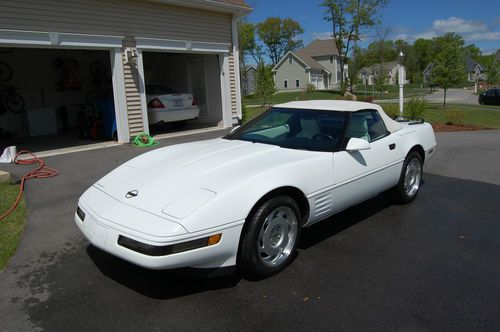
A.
pixel 410 180
pixel 270 237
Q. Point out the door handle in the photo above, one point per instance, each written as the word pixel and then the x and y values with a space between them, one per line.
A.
pixel 392 146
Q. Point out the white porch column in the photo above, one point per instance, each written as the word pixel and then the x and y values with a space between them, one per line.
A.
pixel 225 90
pixel 120 100
pixel 142 91
pixel 236 54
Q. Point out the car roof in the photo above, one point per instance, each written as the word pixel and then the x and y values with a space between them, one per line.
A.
pixel 330 105
pixel 343 106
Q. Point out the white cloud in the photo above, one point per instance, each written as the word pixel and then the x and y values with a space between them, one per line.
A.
pixel 458 25
pixel 322 35
pixel 492 35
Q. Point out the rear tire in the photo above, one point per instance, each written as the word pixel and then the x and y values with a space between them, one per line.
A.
pixel 410 180
pixel 270 237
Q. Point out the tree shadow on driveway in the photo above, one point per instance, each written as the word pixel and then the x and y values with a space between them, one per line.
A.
pixel 160 284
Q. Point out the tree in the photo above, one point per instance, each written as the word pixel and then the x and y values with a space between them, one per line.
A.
pixel 279 37
pixel 492 68
pixel 449 67
pixel 473 51
pixel 349 20
pixel 421 54
pixel 264 86
pixel 247 42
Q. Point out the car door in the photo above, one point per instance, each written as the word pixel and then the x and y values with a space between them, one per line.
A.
pixel 359 175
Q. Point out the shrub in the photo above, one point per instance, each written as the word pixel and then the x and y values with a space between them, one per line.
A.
pixel 454 117
pixel 244 113
pixel 415 107
pixel 392 110
pixel 310 88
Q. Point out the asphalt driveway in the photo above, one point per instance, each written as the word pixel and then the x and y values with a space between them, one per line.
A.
pixel 430 265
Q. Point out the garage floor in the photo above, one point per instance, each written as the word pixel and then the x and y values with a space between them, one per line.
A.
pixel 430 265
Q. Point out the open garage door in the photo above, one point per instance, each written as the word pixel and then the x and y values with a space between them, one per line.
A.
pixel 183 91
pixel 55 98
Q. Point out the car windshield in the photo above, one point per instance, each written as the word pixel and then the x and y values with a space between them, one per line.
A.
pixel 158 89
pixel 303 129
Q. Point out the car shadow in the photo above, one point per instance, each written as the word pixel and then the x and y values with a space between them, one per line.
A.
pixel 161 284
pixel 327 228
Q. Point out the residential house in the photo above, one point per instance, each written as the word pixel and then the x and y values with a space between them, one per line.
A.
pixel 389 70
pixel 473 69
pixel 248 80
pixel 316 64
pixel 190 46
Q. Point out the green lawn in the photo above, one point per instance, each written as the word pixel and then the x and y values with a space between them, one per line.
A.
pixel 11 227
pixel 487 116
pixel 283 97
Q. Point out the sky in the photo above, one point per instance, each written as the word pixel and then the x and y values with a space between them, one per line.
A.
pixel 477 21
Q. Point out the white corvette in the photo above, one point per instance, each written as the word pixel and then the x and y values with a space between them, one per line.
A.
pixel 243 199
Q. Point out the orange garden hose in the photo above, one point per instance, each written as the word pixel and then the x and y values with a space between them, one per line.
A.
pixel 41 172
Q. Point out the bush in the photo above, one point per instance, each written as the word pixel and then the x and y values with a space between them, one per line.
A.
pixel 454 117
pixel 244 113
pixel 310 88
pixel 415 107
pixel 392 110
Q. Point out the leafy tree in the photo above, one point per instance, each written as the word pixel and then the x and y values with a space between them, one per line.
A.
pixel 247 42
pixel 265 87
pixel 279 37
pixel 420 55
pixel 492 68
pixel 449 67
pixel 473 51
pixel 349 20
pixel 356 62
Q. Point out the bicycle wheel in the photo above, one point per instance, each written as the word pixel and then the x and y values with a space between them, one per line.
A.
pixel 15 102
pixel 5 72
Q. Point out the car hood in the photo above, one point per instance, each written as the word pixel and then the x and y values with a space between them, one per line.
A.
pixel 201 170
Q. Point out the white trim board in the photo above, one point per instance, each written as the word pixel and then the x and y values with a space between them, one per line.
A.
pixel 184 46
pixel 56 39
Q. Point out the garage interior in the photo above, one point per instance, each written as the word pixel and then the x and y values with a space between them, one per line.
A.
pixel 64 98
pixel 196 74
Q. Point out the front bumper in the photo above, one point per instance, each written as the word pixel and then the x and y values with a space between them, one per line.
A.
pixel 105 235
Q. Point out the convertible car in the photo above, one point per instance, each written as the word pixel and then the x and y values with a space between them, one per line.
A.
pixel 243 199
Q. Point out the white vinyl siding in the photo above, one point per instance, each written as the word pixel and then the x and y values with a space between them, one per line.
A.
pixel 116 17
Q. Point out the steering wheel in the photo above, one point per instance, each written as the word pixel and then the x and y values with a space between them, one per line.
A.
pixel 323 137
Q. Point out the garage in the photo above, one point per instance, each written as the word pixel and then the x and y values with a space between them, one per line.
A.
pixel 182 91
pixel 55 98
pixel 82 69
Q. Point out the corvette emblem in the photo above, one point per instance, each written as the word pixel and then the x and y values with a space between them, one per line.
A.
pixel 132 193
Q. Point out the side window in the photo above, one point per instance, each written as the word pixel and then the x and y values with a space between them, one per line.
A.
pixel 366 125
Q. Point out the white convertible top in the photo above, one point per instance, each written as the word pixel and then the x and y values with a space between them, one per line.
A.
pixel 343 106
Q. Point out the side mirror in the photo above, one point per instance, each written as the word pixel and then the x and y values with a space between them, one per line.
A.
pixel 357 144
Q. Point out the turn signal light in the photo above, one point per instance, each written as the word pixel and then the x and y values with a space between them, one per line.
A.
pixel 214 239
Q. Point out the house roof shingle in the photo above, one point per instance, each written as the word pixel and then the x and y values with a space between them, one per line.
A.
pixel 470 64
pixel 318 47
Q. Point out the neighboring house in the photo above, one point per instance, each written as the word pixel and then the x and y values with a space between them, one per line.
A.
pixel 369 75
pixel 248 80
pixel 426 74
pixel 473 69
pixel 190 45
pixel 316 64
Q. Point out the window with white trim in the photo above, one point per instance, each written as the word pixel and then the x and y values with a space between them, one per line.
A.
pixel 285 84
pixel 297 83
pixel 290 59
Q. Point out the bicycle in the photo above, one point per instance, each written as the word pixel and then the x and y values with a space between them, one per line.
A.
pixel 10 100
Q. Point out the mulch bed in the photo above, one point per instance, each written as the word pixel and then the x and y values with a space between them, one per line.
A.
pixel 443 127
